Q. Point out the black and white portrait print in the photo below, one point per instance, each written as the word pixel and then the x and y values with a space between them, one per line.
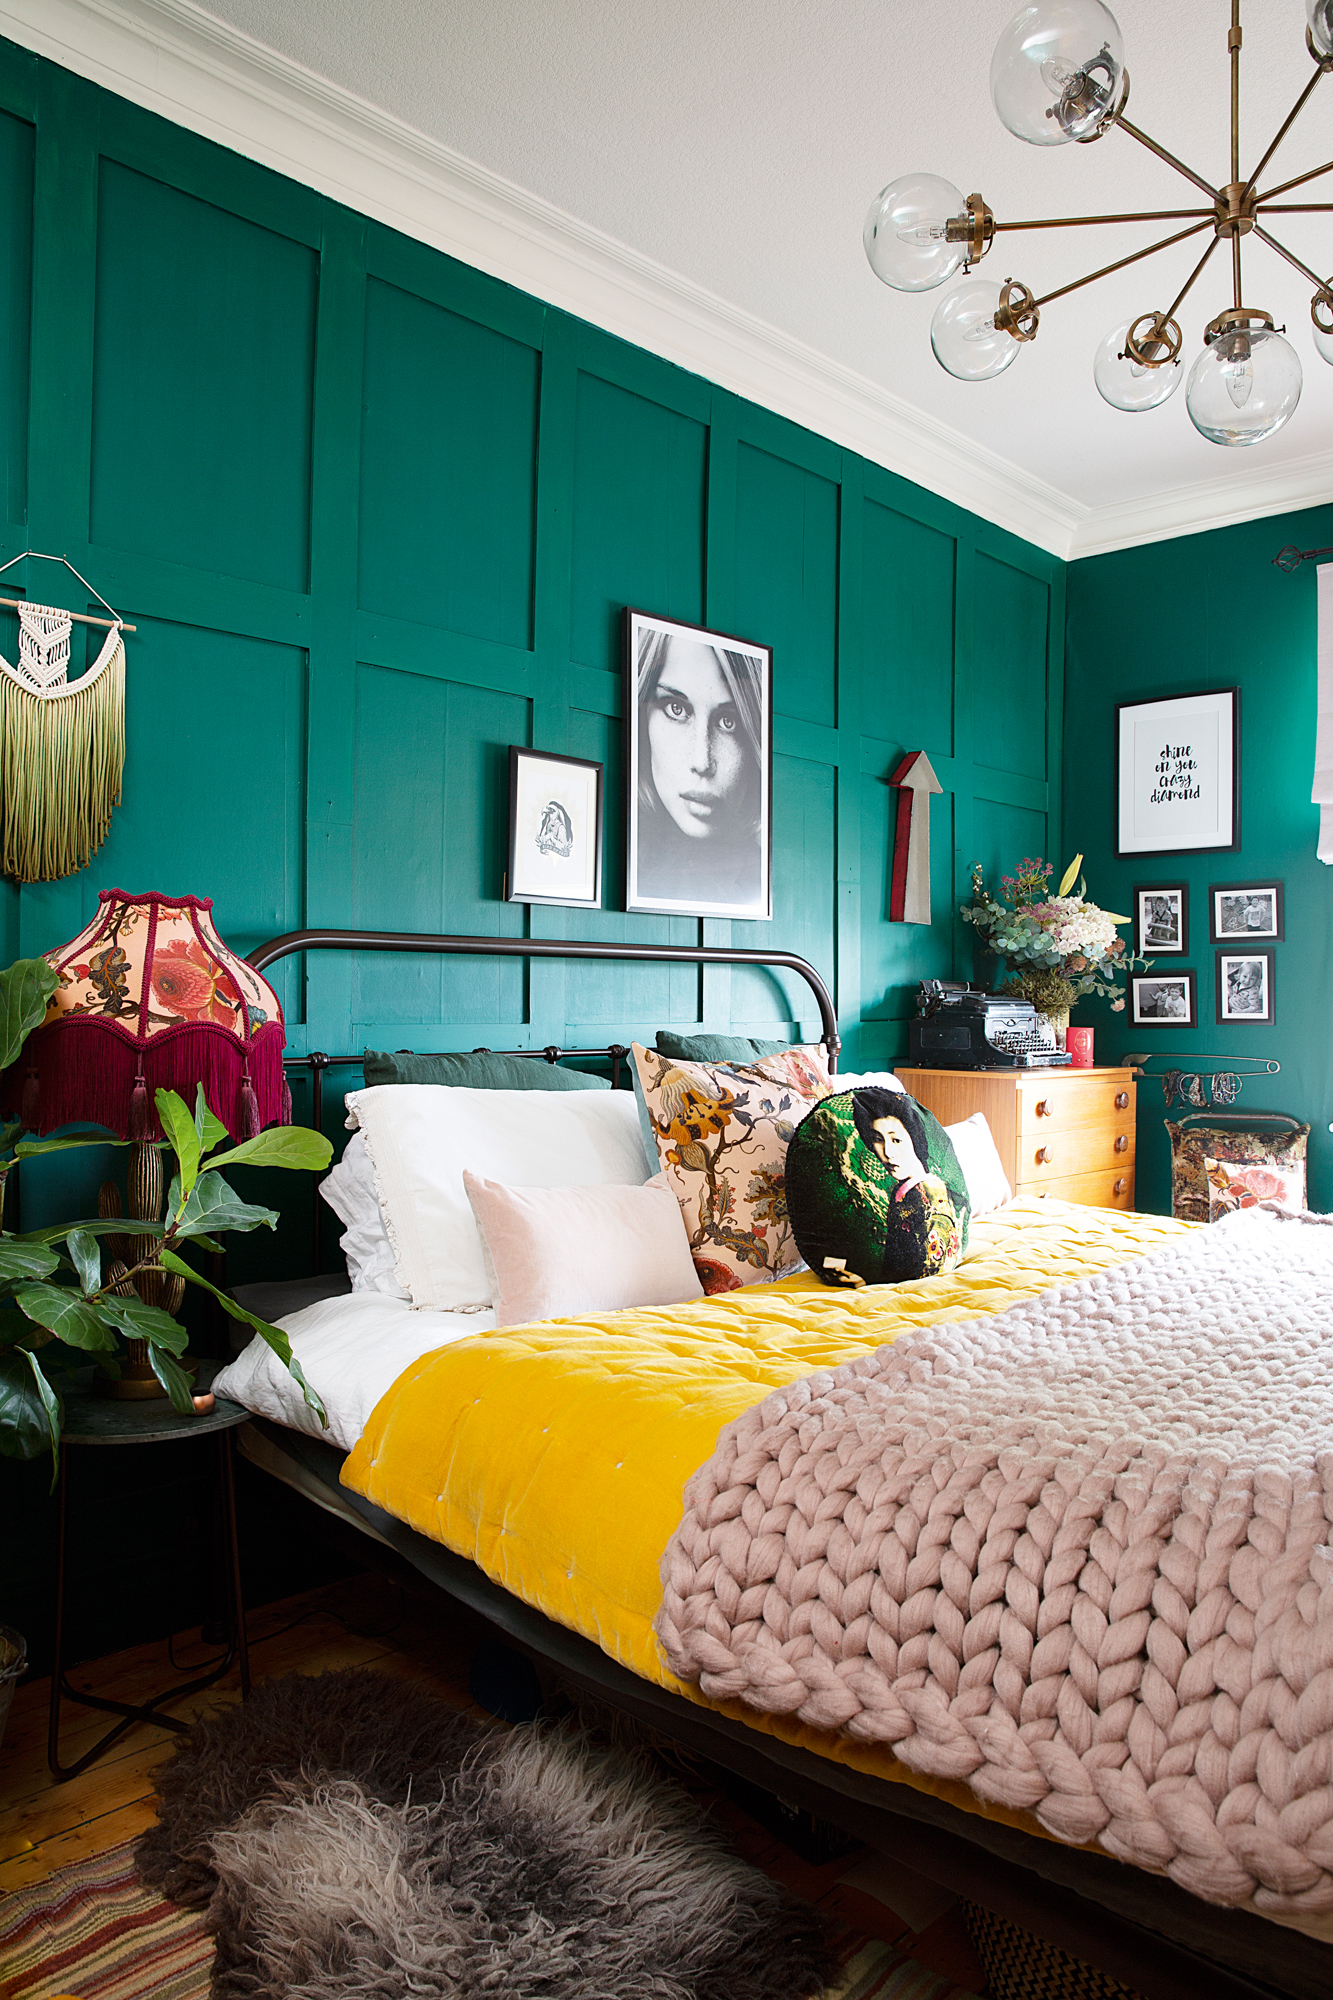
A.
pixel 1245 987
pixel 1156 999
pixel 1162 919
pixel 555 829
pixel 698 711
pixel 1246 911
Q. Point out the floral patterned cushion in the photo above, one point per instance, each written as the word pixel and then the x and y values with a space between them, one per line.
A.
pixel 1233 1185
pixel 1194 1147
pixel 722 1132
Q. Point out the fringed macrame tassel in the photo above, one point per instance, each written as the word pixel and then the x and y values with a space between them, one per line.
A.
pixel 62 755
pixel 31 1110
pixel 139 1108
pixel 286 1100
pixel 247 1108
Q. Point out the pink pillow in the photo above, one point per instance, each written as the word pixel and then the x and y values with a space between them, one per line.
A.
pixel 550 1251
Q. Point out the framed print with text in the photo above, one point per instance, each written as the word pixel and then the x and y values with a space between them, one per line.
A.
pixel 698 770
pixel 1245 994
pixel 1178 774
pixel 1162 919
pixel 1241 910
pixel 555 830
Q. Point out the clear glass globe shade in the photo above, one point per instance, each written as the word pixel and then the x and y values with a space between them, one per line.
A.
pixel 1244 386
pixel 904 232
pixel 1319 15
pixel 1056 71
pixel 964 335
pixel 1323 344
pixel 1126 384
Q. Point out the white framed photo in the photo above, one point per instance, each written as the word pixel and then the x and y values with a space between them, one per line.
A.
pixel 699 770
pixel 555 829
pixel 1163 1000
pixel 1161 919
pixel 1246 911
pixel 1245 988
pixel 1178 774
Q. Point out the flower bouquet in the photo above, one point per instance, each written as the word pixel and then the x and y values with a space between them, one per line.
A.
pixel 1055 948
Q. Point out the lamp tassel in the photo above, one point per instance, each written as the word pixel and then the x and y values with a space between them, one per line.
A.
pixel 139 1107
pixel 286 1100
pixel 247 1108
pixel 31 1108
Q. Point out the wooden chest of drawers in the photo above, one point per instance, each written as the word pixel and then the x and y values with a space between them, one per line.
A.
pixel 1065 1132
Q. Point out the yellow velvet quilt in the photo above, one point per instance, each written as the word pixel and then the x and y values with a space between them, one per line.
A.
pixel 554 1456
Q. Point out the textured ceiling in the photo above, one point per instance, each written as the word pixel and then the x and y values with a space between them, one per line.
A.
pixel 739 143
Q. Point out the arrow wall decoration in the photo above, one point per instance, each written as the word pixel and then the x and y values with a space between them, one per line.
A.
pixel 909 894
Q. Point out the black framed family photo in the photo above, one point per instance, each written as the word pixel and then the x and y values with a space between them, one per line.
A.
pixel 1161 919
pixel 699 770
pixel 1241 910
pixel 1245 993
pixel 1163 999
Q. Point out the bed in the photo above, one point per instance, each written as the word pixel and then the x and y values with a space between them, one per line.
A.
pixel 525 1540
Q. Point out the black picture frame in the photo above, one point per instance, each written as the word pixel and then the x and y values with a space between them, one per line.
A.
pixel 1169 716
pixel 1255 934
pixel 1141 985
pixel 696 842
pixel 1226 989
pixel 536 871
pixel 1148 947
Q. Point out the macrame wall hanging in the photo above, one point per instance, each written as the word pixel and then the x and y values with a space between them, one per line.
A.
pixel 62 742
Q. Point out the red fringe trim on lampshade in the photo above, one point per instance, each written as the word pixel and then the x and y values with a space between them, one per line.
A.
pixel 87 1070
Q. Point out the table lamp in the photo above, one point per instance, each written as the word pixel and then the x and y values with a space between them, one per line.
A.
pixel 150 998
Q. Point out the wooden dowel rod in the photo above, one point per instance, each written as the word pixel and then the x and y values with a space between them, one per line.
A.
pixel 79 617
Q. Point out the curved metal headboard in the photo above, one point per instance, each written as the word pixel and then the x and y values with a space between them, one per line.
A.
pixel 502 947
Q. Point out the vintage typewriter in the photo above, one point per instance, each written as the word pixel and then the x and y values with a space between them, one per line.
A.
pixel 960 1027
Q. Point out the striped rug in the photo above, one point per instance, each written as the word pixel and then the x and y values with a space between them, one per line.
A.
pixel 92 1932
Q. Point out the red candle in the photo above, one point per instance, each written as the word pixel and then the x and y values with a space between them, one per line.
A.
pixel 1078 1041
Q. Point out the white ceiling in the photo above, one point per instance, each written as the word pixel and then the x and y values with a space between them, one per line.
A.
pixel 738 143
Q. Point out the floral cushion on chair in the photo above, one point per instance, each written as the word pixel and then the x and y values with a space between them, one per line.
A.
pixel 722 1132
pixel 1201 1152
pixel 1234 1184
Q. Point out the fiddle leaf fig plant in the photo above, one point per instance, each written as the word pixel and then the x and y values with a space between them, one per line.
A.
pixel 57 1308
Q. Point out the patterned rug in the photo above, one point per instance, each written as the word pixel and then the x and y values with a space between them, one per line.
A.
pixel 93 1932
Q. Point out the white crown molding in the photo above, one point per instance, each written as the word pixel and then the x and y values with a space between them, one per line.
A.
pixel 1221 503
pixel 174 58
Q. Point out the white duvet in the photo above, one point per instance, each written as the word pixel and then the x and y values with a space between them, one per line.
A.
pixel 351 1349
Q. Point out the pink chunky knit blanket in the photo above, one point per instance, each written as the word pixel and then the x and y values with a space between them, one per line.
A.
pixel 1076 1554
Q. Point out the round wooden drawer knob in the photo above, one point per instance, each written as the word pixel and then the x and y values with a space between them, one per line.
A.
pixel 1122 1100
pixel 1119 1187
pixel 1043 1156
pixel 1043 1109
pixel 1122 1144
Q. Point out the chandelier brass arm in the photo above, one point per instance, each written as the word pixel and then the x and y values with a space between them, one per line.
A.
pixel 1122 124
pixel 1262 200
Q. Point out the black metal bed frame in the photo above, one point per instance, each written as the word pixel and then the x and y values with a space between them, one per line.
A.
pixel 1137 1927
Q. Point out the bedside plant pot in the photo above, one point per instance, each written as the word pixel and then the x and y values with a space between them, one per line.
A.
pixel 13 1666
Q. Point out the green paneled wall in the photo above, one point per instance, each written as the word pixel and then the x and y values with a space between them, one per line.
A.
pixel 376 517
pixel 1202 612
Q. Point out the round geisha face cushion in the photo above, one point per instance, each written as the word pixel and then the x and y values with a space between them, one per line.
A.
pixel 874 1190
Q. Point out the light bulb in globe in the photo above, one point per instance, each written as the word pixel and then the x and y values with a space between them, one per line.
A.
pixel 905 232
pixel 1057 72
pixel 1319 17
pixel 1127 384
pixel 1244 385
pixel 1321 313
pixel 964 335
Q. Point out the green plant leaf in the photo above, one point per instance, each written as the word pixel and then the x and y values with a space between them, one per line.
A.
pixel 1070 876
pixel 70 1318
pixel 180 1129
pixel 212 1206
pixel 30 1149
pixel 143 1322
pixel 282 1146
pixel 174 1380
pixel 25 1260
pixel 25 988
pixel 31 1414
pixel 274 1335
pixel 212 1132
pixel 92 1225
pixel 9 1133
pixel 87 1259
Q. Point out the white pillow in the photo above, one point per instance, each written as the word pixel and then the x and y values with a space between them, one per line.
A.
pixel 553 1251
pixel 867 1079
pixel 349 1190
pixel 420 1137
pixel 987 1185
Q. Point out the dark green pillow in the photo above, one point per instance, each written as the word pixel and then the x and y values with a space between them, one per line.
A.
pixel 849 1205
pixel 714 1048
pixel 476 1072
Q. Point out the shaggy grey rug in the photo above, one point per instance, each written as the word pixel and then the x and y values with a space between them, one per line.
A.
pixel 351 1836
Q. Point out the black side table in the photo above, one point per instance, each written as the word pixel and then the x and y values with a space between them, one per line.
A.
pixel 99 1420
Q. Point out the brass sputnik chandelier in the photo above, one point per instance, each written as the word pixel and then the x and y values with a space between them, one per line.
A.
pixel 1058 76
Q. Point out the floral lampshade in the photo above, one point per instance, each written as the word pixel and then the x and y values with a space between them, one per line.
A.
pixel 151 998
